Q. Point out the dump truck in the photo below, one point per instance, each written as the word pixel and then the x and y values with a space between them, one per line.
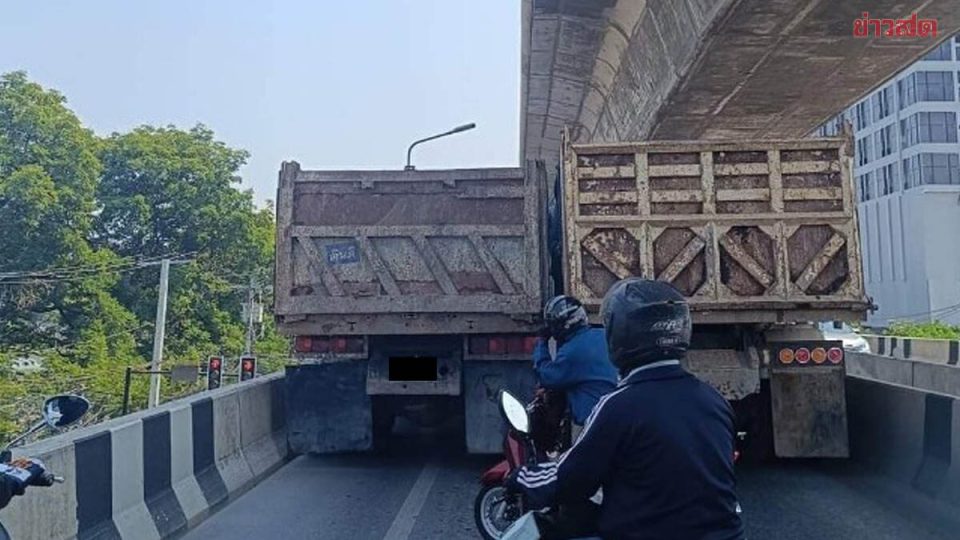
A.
pixel 409 293
pixel 761 237
pixel 418 293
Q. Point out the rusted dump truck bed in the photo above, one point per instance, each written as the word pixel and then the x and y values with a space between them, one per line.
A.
pixel 750 231
pixel 388 252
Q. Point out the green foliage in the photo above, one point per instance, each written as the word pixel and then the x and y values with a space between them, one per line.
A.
pixel 928 330
pixel 77 212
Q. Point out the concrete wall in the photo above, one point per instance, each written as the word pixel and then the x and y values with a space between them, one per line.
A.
pixel 906 434
pixel 924 376
pixel 155 473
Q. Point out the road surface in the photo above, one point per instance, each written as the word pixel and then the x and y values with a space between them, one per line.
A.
pixel 418 491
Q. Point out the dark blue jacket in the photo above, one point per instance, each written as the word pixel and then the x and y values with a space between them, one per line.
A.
pixel 661 447
pixel 582 369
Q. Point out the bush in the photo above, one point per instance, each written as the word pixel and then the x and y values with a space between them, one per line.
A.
pixel 928 330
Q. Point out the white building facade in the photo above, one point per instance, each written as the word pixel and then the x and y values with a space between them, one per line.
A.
pixel 907 172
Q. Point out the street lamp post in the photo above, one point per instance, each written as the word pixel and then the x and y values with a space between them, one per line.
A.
pixel 457 129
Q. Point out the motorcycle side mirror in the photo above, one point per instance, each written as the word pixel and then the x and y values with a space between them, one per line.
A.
pixel 61 411
pixel 514 411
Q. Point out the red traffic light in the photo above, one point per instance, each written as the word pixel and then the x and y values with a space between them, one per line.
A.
pixel 215 362
pixel 248 367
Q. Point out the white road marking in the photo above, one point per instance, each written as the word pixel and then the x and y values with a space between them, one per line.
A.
pixel 407 516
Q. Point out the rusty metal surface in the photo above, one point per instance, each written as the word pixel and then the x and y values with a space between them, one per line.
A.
pixel 405 243
pixel 735 374
pixel 763 227
pixel 809 411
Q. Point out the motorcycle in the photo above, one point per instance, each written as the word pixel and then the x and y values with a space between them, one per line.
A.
pixel 496 507
pixel 500 513
pixel 58 412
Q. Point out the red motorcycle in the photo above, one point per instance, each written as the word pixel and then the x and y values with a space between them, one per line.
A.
pixel 534 432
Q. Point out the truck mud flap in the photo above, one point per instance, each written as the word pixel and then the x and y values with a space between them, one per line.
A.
pixel 328 409
pixel 482 381
pixel 808 401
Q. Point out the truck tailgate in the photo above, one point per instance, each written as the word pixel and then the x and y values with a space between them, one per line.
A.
pixel 760 231
pixel 377 249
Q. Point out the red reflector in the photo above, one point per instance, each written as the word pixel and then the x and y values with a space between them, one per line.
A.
pixel 835 355
pixel 497 346
pixel 478 345
pixel 529 344
pixel 338 345
pixel 303 344
pixel 803 355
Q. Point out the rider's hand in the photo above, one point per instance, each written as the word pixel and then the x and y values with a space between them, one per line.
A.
pixel 37 471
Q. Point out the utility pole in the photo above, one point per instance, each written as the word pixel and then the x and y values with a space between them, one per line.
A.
pixel 251 300
pixel 158 334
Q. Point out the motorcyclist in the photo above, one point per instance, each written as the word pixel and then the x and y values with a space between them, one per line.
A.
pixel 581 368
pixel 17 475
pixel 660 446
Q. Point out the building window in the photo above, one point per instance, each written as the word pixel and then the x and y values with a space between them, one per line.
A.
pixel 911 172
pixel 883 141
pixel 865 185
pixel 926 86
pixel 887 180
pixel 883 103
pixel 928 127
pixel 940 53
pixel 863 114
pixel 940 168
pixel 863 150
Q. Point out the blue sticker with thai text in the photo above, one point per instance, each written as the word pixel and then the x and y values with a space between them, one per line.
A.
pixel 343 253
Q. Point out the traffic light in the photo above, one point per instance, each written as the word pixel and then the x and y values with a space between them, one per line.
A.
pixel 248 368
pixel 214 372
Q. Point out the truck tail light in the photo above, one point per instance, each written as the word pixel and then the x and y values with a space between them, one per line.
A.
pixel 786 356
pixel 329 344
pixel 303 344
pixel 819 355
pixel 835 355
pixel 505 345
pixel 802 355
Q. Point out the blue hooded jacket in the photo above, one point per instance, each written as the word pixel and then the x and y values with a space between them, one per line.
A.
pixel 582 369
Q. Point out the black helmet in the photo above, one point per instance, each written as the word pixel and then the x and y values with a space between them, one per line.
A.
pixel 646 321
pixel 563 316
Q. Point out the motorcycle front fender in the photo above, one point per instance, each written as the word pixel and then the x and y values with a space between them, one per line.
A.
pixel 496 474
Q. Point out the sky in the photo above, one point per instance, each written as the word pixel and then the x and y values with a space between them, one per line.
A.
pixel 329 83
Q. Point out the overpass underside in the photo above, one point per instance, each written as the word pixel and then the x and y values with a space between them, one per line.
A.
pixel 615 70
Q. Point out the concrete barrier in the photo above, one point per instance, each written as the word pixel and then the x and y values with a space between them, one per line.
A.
pixel 155 473
pixel 910 435
pixel 939 351
pixel 913 373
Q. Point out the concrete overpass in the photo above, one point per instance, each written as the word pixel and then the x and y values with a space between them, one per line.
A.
pixel 617 70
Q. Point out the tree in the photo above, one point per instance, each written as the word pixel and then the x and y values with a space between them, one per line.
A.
pixel 48 178
pixel 167 190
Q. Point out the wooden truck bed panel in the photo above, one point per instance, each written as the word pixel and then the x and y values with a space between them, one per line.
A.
pixel 356 244
pixel 766 227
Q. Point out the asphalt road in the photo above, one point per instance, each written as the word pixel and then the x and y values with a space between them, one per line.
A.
pixel 420 491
